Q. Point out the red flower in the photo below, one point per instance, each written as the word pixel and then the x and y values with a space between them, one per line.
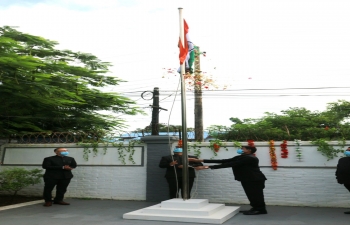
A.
pixel 283 145
pixel 284 150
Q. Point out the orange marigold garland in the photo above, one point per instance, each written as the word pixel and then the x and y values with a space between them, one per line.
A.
pixel 284 150
pixel 273 154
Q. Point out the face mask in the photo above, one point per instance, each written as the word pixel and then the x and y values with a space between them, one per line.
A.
pixel 347 153
pixel 64 153
pixel 240 151
pixel 177 150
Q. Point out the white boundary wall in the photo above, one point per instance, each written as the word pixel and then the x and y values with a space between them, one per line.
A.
pixel 102 176
pixel 309 182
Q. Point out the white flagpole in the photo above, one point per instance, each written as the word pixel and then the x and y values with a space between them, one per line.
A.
pixel 185 180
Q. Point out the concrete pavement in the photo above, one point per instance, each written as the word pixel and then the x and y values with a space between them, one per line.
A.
pixel 108 212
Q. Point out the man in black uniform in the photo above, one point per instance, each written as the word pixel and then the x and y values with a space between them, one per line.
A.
pixel 343 171
pixel 58 173
pixel 246 170
pixel 173 175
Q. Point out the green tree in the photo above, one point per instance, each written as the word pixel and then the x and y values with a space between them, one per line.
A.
pixel 15 179
pixel 44 89
pixel 293 123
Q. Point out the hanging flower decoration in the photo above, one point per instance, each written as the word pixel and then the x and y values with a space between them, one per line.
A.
pixel 273 154
pixel 251 144
pixel 179 143
pixel 284 150
pixel 298 149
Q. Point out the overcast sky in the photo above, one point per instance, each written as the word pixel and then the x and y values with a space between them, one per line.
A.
pixel 250 44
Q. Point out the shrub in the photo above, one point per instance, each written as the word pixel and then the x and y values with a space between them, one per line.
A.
pixel 15 179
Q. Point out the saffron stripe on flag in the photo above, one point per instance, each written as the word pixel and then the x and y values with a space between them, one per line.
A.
pixel 186 52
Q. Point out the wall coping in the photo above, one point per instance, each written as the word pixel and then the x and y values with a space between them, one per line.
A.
pixel 159 139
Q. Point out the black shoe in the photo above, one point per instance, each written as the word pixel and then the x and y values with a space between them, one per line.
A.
pixel 47 204
pixel 255 212
pixel 243 211
pixel 348 212
pixel 61 203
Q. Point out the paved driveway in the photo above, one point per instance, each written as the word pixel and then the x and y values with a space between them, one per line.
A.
pixel 110 212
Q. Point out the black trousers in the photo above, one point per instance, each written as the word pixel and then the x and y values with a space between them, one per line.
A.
pixel 347 185
pixel 255 193
pixel 61 188
pixel 173 189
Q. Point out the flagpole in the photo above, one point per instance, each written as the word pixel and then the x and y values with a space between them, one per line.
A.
pixel 185 179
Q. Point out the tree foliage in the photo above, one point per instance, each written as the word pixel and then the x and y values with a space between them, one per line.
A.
pixel 46 89
pixel 293 123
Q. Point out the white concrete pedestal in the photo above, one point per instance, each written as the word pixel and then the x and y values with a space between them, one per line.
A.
pixel 192 210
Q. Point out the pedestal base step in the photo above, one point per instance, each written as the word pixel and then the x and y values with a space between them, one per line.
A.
pixel 192 210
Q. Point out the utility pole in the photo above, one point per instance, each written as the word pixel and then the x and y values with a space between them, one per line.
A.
pixel 198 105
pixel 155 111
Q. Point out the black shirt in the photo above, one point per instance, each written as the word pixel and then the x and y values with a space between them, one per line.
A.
pixel 245 167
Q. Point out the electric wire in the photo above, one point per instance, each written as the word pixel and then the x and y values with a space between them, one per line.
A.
pixel 227 93
pixel 167 97
pixel 125 84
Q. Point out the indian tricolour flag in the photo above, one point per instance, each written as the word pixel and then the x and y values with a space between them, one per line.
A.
pixel 186 52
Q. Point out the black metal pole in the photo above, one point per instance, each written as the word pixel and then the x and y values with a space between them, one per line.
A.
pixel 155 112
